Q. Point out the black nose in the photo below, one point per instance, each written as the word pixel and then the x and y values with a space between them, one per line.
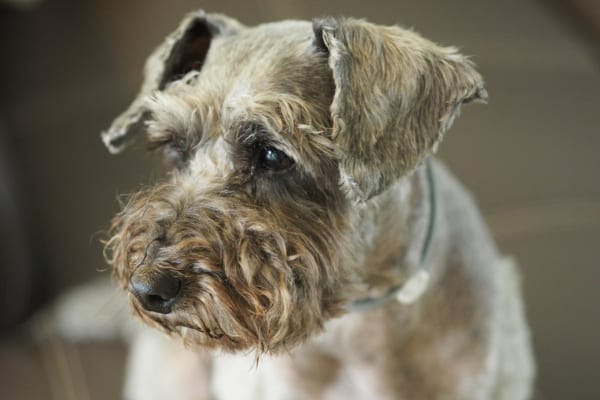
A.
pixel 156 290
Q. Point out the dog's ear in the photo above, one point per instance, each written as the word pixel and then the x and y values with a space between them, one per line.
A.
pixel 183 51
pixel 396 93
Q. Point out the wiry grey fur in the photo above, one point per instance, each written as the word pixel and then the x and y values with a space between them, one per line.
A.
pixel 270 261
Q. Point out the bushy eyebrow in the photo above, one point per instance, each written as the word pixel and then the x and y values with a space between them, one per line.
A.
pixel 250 132
pixel 181 119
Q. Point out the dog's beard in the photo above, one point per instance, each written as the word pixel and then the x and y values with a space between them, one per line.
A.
pixel 252 278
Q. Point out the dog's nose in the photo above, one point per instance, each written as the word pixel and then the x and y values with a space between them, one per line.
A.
pixel 156 290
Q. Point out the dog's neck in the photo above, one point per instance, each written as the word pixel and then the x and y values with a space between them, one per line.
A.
pixel 403 222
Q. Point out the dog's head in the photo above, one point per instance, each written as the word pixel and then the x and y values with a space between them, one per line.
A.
pixel 274 134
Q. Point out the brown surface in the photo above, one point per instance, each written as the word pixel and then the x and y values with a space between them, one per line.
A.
pixel 584 16
pixel 529 156
pixel 56 370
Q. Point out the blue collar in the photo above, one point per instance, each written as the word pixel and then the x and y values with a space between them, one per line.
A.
pixel 410 290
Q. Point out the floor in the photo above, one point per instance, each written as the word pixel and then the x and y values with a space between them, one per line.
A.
pixel 530 156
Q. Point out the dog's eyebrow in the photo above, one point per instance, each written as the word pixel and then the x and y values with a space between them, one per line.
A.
pixel 173 119
pixel 251 132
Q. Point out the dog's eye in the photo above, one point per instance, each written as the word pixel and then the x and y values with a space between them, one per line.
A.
pixel 175 150
pixel 273 159
pixel 174 156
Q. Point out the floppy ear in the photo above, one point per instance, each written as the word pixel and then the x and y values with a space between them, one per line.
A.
pixel 396 93
pixel 183 51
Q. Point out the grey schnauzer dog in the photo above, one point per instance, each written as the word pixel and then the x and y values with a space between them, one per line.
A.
pixel 305 244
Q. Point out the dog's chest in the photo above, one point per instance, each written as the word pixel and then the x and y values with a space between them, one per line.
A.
pixel 319 369
pixel 236 378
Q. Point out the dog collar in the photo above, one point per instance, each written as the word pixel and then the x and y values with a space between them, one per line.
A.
pixel 414 287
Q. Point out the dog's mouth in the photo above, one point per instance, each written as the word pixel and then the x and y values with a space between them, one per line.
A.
pixel 195 318
pixel 207 337
pixel 215 334
pixel 198 268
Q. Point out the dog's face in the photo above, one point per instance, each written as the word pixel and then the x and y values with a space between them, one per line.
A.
pixel 274 134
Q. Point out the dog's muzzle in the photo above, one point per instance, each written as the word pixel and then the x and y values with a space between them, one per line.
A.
pixel 156 290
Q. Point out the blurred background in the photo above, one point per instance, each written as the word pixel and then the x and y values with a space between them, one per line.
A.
pixel 67 67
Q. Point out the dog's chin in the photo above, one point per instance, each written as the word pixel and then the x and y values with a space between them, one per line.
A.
pixel 198 339
pixel 199 330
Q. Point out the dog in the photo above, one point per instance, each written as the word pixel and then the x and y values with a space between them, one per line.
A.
pixel 306 244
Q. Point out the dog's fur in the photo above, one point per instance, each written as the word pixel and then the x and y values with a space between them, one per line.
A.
pixel 271 260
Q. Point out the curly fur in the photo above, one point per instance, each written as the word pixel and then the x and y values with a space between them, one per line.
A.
pixel 268 260
pixel 247 282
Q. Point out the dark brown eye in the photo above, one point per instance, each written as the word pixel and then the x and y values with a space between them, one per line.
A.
pixel 272 159
pixel 175 156
pixel 175 150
